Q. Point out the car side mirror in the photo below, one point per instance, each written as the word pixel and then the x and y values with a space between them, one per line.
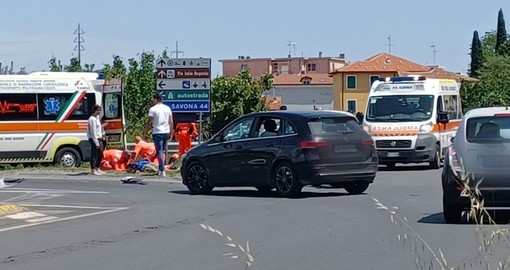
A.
pixel 452 139
pixel 442 117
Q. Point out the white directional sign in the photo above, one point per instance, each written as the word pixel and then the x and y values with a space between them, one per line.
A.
pixel 183 63
pixel 183 84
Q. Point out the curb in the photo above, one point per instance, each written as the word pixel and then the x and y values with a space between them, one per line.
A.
pixel 6 209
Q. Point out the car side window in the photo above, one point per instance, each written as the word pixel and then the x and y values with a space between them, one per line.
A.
pixel 239 130
pixel 269 126
pixel 289 129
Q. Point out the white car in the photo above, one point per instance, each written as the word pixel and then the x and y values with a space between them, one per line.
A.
pixel 481 147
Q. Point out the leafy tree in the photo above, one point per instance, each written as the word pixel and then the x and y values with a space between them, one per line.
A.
pixel 115 70
pixel 74 66
pixel 501 36
pixel 493 89
pixel 138 92
pixel 54 64
pixel 476 55
pixel 89 67
pixel 232 97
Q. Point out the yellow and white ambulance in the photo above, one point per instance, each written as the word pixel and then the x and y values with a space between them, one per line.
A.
pixel 43 116
pixel 412 119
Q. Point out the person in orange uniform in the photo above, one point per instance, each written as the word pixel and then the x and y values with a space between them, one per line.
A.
pixel 185 133
pixel 115 159
pixel 145 150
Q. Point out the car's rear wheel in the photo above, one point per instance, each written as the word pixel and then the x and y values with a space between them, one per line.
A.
pixel 286 180
pixel 357 187
pixel 197 179
pixel 452 213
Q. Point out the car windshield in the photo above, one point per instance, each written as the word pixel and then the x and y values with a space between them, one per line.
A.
pixel 333 125
pixel 400 108
pixel 489 129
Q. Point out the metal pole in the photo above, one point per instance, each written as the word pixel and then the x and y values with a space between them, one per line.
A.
pixel 200 128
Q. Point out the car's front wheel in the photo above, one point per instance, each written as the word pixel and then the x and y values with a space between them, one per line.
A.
pixel 197 179
pixel 286 180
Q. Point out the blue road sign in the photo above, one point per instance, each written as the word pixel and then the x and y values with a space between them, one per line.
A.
pixel 188 106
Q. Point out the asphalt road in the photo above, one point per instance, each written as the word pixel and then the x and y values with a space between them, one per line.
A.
pixel 99 223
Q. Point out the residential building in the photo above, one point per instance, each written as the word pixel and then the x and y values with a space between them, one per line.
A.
pixel 352 82
pixel 300 83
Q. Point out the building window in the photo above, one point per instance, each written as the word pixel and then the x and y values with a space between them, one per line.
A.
pixel 306 81
pixel 275 67
pixel 311 67
pixel 351 81
pixel 351 106
pixel 373 78
pixel 244 67
pixel 284 69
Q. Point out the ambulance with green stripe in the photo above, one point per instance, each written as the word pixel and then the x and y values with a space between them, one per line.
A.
pixel 43 116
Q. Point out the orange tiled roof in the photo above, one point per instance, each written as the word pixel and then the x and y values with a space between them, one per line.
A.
pixel 297 79
pixel 439 73
pixel 383 62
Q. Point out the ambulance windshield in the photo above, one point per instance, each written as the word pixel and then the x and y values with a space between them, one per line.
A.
pixel 400 108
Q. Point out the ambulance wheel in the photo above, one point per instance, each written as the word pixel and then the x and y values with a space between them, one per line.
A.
pixel 436 162
pixel 68 157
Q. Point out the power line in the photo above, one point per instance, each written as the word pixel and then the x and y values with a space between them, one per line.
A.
pixel 79 39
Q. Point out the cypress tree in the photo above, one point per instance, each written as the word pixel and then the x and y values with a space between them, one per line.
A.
pixel 501 37
pixel 476 55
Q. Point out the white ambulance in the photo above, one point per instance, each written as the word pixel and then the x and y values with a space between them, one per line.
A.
pixel 412 119
pixel 43 116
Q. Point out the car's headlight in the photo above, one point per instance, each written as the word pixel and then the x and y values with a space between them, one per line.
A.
pixel 427 128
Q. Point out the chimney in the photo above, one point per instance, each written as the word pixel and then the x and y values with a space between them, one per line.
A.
pixel 12 67
pixel 320 54
pixel 342 56
pixel 0 68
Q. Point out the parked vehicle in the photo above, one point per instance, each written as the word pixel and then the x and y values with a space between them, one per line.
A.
pixel 43 116
pixel 284 150
pixel 481 147
pixel 412 118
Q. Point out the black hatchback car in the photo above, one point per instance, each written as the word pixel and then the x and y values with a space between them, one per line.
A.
pixel 284 150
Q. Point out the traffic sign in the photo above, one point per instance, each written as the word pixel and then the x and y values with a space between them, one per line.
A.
pixel 188 106
pixel 183 63
pixel 185 95
pixel 183 84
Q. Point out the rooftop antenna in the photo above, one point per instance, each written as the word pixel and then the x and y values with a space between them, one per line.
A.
pixel 177 52
pixel 389 43
pixel 433 54
pixel 292 46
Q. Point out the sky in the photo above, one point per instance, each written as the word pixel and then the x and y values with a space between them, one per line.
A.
pixel 31 31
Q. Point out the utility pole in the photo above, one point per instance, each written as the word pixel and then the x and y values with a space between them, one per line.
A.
pixel 79 40
pixel 177 52
pixel 292 46
pixel 433 54
pixel 389 43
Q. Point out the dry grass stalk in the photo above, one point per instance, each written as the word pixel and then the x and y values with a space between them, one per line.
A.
pixel 245 251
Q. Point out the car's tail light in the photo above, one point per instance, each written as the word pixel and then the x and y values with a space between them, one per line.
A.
pixel 454 160
pixel 318 143
pixel 368 141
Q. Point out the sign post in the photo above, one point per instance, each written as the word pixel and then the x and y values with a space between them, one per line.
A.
pixel 185 85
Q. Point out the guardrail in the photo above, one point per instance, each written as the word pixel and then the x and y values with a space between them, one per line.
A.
pixel 172 146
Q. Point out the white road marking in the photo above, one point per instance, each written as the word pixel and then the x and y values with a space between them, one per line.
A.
pixel 25 215
pixel 111 210
pixel 53 191
pixel 34 220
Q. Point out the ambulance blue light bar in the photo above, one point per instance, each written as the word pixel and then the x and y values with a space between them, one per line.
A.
pixel 403 79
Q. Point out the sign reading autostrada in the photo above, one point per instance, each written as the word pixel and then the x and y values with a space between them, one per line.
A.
pixel 184 83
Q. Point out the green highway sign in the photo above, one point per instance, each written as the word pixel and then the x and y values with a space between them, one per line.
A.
pixel 185 95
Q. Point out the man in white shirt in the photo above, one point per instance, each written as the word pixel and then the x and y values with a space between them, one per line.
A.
pixel 160 116
pixel 95 136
